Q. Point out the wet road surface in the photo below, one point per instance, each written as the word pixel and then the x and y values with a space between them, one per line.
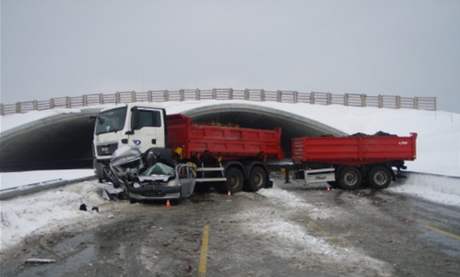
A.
pixel 286 231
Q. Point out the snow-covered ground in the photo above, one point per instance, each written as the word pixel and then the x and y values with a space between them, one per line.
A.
pixel 16 179
pixel 440 189
pixel 291 240
pixel 47 211
pixel 438 142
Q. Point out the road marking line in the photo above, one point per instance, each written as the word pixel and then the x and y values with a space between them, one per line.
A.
pixel 203 252
pixel 446 233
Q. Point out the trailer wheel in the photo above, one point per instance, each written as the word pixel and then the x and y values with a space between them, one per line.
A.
pixel 380 177
pixel 350 178
pixel 257 179
pixel 235 180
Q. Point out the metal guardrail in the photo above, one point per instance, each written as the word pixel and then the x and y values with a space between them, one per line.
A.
pixel 13 192
pixel 282 96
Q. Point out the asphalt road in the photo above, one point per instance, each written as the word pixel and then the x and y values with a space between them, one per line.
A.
pixel 286 231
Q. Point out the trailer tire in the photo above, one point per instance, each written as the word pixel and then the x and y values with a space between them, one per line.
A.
pixel 234 183
pixel 350 178
pixel 257 179
pixel 380 177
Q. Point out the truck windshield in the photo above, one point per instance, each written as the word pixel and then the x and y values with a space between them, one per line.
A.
pixel 110 121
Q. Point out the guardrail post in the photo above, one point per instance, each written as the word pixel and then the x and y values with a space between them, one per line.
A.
pixel 295 95
pixel 2 109
pixel 398 102
pixel 328 98
pixel 85 100
pixel 435 104
pixel 68 103
pixel 165 95
pixel 52 102
pixel 117 97
pixel 197 94
pixel 312 98
pixel 345 99
pixel 246 94
pixel 133 96
pixel 18 107
pixel 149 96
pixel 181 95
pixel 230 94
pixel 35 105
pixel 416 103
pixel 380 100
pixel 101 98
pixel 279 96
pixel 363 98
pixel 214 93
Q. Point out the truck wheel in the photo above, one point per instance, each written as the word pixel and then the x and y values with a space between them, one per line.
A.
pixel 380 177
pixel 350 178
pixel 235 180
pixel 257 179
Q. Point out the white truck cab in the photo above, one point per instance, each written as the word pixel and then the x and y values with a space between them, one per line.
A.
pixel 139 125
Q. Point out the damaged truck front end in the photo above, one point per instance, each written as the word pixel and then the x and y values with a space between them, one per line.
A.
pixel 151 176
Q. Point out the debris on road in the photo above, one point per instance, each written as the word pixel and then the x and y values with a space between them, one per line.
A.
pixel 83 207
pixel 39 261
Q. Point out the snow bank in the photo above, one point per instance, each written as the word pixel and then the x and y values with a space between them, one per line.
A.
pixel 293 241
pixel 46 211
pixel 290 200
pixel 13 120
pixel 15 179
pixel 440 189
pixel 438 143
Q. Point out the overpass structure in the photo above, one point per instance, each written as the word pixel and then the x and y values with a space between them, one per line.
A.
pixel 282 96
pixel 65 140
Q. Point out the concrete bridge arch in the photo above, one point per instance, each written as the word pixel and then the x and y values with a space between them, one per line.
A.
pixel 64 140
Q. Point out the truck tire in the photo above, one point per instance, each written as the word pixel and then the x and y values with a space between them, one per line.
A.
pixel 350 178
pixel 257 179
pixel 235 181
pixel 380 177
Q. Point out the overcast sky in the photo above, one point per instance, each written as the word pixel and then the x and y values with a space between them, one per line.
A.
pixel 66 48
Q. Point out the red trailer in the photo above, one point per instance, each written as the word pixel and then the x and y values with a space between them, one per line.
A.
pixel 231 155
pixel 354 159
pixel 229 143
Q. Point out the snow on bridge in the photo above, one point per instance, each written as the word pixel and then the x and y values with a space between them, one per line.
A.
pixel 54 133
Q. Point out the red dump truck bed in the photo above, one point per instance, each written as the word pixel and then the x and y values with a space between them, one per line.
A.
pixel 353 150
pixel 227 142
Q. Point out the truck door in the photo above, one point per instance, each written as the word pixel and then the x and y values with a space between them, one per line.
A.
pixel 148 128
